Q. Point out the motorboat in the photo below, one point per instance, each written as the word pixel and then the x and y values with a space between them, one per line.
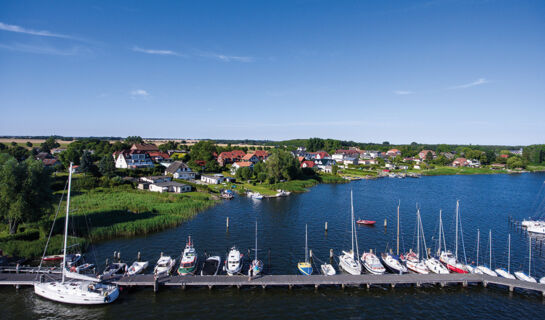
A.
pixel 392 262
pixel 188 260
pixel 305 268
pixel 366 222
pixel 327 269
pixel 531 223
pixel 56 257
pixel 349 261
pixel 282 193
pixel 372 263
pixel 255 195
pixel 137 267
pixel 74 288
pixel 164 266
pixel 536 228
pixel 233 264
pixel 435 266
pixel 211 266
pixel 227 194
pixel 114 270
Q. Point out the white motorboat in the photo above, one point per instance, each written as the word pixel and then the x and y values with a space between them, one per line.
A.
pixel 327 269
pixel 255 195
pixel 188 260
pixel 282 193
pixel 537 228
pixel 211 266
pixel 531 223
pixel 233 263
pixel 137 267
pixel 392 262
pixel 501 271
pixel 435 266
pixel 542 280
pixel 164 266
pixel 372 263
pixel 68 289
pixel 113 270
pixel 520 274
pixel 349 261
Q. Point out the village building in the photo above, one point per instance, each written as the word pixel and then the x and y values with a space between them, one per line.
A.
pixel 250 158
pixel 228 157
pixel 261 155
pixel 158 156
pixel 424 153
pixel 241 164
pixel 146 147
pixel 133 159
pixel 180 170
pixel 169 186
pixel 213 179
pixel 307 164
pixel 393 153
pixel 460 162
pixel 145 182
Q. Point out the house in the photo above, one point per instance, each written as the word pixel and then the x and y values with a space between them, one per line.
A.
pixel 473 163
pixel 158 156
pixel 326 169
pixel 403 167
pixel 133 159
pixel 350 160
pixel 448 155
pixel 368 161
pixel 393 153
pixel 227 157
pixel 424 153
pixel 250 158
pixel 301 159
pixel 43 155
pixel 146 147
pixel 352 152
pixel 497 166
pixel 57 150
pixel 390 166
pixel 213 179
pixel 504 156
pixel 460 162
pixel 180 170
pixel 322 155
pixel 370 154
pixel 307 164
pixel 155 179
pixel 338 156
pixel 324 162
pixel 241 164
pixel 169 186
pixel 261 155
pixel 516 152
pixel 51 163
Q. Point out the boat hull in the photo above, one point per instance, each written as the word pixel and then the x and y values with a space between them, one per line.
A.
pixel 304 268
pixel 504 274
pixel 65 293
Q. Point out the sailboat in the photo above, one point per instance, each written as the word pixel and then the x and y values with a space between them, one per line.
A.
pixel 432 263
pixel 188 260
pixel 449 259
pixel 412 259
pixel 256 267
pixel 501 271
pixel 391 261
pixel 486 269
pixel 305 267
pixel 520 274
pixel 81 290
pixel 349 261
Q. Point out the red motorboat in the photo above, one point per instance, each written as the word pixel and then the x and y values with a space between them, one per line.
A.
pixel 366 222
pixel 57 257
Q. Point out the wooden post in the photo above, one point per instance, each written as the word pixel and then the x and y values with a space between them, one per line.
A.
pixel 161 253
pixel 119 256
pixel 325 226
pixel 385 223
pixel 227 222
pixel 331 256
pixel 155 284
pixel 138 256
pixel 115 255
pixel 107 261
pixel 310 255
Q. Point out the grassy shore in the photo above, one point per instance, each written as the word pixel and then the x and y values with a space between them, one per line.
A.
pixel 440 171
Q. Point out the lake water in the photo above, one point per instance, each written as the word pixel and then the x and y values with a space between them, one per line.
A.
pixel 485 203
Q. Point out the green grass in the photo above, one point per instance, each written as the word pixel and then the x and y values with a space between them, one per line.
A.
pixel 359 173
pixel 34 249
pixel 452 171
pixel 535 168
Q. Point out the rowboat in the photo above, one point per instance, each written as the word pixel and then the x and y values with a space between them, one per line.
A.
pixel 366 222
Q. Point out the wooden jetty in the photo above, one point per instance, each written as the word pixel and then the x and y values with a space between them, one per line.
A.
pixel 316 281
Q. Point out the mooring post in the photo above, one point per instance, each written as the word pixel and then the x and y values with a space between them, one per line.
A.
pixel 227 222
pixel 316 286
pixel 325 227
pixel 155 284
pixel 331 256
pixel 107 261
pixel 138 256
pixel 385 223
pixel 115 255
pixel 418 284
pixel 119 256
pixel 310 255
pixel 17 268
pixel 210 287
pixel 161 253
pixel 368 286
pixel 393 285
pixel 464 284
pixel 442 284
pixel 485 284
pixel 511 288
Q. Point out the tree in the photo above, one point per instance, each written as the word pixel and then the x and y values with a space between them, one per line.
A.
pixel 130 140
pixel 281 165
pixel 25 194
pixel 429 156
pixel 203 151
pixel 334 169
pixel 86 163
pixel 315 144
pixel 70 155
pixel 49 144
pixel 29 144
pixel 514 162
pixel 170 145
pixel 19 153
pixel 107 166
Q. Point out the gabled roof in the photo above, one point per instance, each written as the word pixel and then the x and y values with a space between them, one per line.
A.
pixel 261 153
pixel 144 147
pixel 248 156
pixel 175 166
pixel 308 164
pixel 159 154
pixel 243 164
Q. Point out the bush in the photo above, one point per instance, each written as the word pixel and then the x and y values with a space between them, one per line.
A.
pixel 25 235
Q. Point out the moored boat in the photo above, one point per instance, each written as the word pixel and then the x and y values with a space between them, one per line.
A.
pixel 366 222
pixel 137 267
pixel 501 271
pixel 349 261
pixel 211 266
pixel 327 269
pixel 372 263
pixel 392 263
pixel 256 266
pixel 188 260
pixel 233 263
pixel 305 268
pixel 164 266
pixel 520 274
pixel 435 266
pixel 115 269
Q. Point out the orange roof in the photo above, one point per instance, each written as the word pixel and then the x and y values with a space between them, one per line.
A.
pixel 248 157
pixel 393 150
pixel 307 164
pixel 244 164
pixel 261 153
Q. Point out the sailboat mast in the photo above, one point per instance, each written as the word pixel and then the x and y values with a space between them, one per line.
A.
pixel 352 219
pixel 478 244
pixel 509 254
pixel 306 244
pixel 530 257
pixel 417 234
pixel 397 247
pixel 456 252
pixel 256 240
pixel 490 244
pixel 66 221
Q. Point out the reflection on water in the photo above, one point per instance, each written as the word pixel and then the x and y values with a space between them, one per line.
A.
pixel 486 201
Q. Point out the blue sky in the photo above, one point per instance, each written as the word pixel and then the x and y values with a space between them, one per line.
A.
pixel 401 71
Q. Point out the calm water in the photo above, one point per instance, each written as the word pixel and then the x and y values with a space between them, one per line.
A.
pixel 485 203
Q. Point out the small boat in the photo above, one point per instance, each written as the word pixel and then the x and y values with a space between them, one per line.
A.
pixel 227 194
pixel 392 263
pixel 164 266
pixel 211 266
pixel 366 222
pixel 501 271
pixel 282 193
pixel 435 266
pixel 188 260
pixel 349 261
pixel 56 257
pixel 520 274
pixel 328 269
pixel 137 267
pixel 414 264
pixel 504 273
pixel 305 268
pixel 256 266
pixel 72 260
pixel 113 270
pixel 233 263
pixel 255 195
pixel 372 263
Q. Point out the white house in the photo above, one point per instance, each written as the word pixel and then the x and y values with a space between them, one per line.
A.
pixel 350 160
pixel 155 179
pixel 169 186
pixel 339 157
pixel 368 161
pixel 133 159
pixel 213 179
pixel 241 164
pixel 180 170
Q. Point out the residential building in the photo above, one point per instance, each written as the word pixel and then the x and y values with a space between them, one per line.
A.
pixel 169 186
pixel 146 147
pixel 460 162
pixel 368 161
pixel 241 164
pixel 158 156
pixel 180 170
pixel 133 159
pixel 350 160
pixel 424 153
pixel 307 164
pixel 261 155
pixel 155 179
pixel 393 153
pixel 228 157
pixel 250 158
pixel 370 154
pixel 213 179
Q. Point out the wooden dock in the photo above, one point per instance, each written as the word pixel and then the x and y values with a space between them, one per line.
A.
pixel 316 281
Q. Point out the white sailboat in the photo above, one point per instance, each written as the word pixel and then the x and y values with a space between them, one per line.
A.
pixel 450 259
pixel 486 269
pixel 372 263
pixel 520 274
pixel 391 261
pixel 412 259
pixel 75 288
pixel 256 267
pixel 501 271
pixel 349 261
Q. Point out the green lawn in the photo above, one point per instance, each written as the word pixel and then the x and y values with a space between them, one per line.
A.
pixel 439 170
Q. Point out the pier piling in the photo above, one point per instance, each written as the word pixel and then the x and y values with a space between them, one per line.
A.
pixel 325 227
pixel 385 223
pixel 138 256
pixel 227 223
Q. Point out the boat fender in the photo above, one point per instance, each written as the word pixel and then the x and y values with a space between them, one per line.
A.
pixel 73 269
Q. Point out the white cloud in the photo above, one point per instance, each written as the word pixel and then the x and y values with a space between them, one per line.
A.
pixel 227 58
pixel 21 47
pixel 403 92
pixel 42 33
pixel 157 52
pixel 477 82
pixel 139 93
